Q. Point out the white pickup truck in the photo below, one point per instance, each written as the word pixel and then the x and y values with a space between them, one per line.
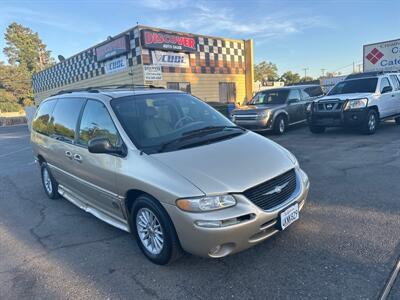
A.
pixel 361 100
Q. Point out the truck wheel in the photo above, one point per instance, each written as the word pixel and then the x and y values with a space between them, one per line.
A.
pixel 370 123
pixel 317 129
pixel 397 120
pixel 155 234
pixel 50 185
pixel 280 125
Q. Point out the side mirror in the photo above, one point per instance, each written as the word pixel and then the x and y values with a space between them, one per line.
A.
pixel 386 89
pixel 103 145
pixel 292 101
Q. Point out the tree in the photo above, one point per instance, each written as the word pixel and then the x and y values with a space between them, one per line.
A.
pixel 290 78
pixel 17 81
pixel 306 79
pixel 265 71
pixel 26 49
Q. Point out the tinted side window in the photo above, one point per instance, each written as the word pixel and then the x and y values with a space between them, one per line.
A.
pixel 96 123
pixel 41 122
pixel 65 116
pixel 395 81
pixel 384 83
pixel 312 92
pixel 294 94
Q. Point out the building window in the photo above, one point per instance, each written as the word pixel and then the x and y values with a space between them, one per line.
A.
pixel 227 92
pixel 180 86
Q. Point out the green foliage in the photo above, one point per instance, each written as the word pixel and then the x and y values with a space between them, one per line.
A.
pixel 25 48
pixel 265 71
pixel 26 54
pixel 306 79
pixel 290 78
pixel 9 107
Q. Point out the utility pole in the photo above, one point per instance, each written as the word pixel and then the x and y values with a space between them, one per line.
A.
pixel 305 72
pixel 323 72
pixel 354 67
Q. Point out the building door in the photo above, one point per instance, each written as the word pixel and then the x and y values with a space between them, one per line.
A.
pixel 227 92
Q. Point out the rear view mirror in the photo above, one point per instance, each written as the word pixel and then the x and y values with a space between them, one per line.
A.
pixel 103 145
pixel 386 89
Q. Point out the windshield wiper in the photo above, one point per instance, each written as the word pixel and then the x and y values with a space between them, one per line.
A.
pixel 209 129
pixel 195 133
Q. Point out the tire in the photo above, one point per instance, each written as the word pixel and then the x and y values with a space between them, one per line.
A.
pixel 317 129
pixel 280 125
pixel 50 185
pixel 397 120
pixel 143 209
pixel 370 123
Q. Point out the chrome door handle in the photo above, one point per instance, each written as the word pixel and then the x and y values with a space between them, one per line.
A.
pixel 68 154
pixel 78 158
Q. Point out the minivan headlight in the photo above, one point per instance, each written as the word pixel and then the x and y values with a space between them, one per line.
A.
pixel 207 203
pixel 356 104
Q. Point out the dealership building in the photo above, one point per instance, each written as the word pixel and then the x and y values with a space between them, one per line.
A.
pixel 212 68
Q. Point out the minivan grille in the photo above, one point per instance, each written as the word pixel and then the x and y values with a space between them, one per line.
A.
pixel 264 194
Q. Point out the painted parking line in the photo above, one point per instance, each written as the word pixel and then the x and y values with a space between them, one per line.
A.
pixel 13 152
pixel 390 283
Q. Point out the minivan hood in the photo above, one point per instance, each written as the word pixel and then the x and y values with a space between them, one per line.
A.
pixel 250 109
pixel 343 97
pixel 229 166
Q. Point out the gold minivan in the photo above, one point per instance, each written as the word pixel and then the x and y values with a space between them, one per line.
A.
pixel 168 168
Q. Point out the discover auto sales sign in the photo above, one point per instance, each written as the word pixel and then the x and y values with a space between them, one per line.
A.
pixel 168 41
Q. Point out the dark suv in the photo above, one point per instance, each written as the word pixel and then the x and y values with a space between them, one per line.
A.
pixel 276 109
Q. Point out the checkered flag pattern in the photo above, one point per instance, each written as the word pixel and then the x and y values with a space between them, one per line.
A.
pixel 214 56
pixel 80 67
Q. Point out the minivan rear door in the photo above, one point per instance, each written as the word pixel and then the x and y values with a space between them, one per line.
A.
pixel 62 127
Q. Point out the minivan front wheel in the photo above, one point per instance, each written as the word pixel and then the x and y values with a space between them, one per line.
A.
pixel 154 231
pixel 50 185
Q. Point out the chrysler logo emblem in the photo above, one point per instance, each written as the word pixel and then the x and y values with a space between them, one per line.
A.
pixel 277 189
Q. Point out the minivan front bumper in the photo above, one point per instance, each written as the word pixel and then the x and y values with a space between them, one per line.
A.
pixel 246 224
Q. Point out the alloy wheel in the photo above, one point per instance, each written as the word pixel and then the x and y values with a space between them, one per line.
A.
pixel 149 231
pixel 47 181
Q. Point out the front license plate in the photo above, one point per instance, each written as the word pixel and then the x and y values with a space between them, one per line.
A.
pixel 289 215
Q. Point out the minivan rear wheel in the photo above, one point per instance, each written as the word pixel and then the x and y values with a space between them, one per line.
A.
pixel 50 185
pixel 155 234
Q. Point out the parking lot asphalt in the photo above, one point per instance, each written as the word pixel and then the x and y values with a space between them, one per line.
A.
pixel 345 244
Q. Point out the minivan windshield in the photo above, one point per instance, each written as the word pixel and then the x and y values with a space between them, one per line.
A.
pixel 365 85
pixel 270 97
pixel 169 121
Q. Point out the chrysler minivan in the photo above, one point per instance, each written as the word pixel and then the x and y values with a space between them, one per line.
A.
pixel 168 168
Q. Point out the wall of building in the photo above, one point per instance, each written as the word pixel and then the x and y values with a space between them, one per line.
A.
pixel 215 60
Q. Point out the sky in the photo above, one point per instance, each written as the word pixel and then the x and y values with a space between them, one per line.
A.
pixel 314 34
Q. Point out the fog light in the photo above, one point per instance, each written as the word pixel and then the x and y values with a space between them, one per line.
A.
pixel 208 223
pixel 215 250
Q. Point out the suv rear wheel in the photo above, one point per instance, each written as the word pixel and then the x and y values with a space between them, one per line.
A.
pixel 397 120
pixel 280 125
pixel 50 185
pixel 370 123
pixel 317 129
pixel 155 234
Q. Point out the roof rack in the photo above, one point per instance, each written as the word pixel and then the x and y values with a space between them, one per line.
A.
pixel 369 74
pixel 97 89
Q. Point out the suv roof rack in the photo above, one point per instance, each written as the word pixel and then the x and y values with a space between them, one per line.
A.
pixel 369 74
pixel 98 89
